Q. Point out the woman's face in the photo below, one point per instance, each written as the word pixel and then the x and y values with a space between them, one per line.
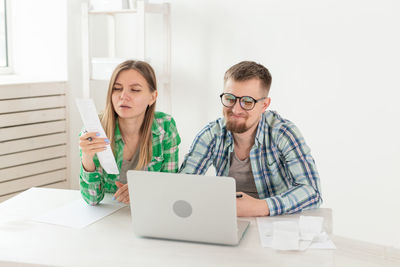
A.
pixel 131 95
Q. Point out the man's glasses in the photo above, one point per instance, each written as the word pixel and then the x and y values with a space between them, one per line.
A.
pixel 246 102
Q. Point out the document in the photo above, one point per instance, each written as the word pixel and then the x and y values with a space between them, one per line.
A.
pixel 92 123
pixel 285 235
pixel 78 214
pixel 310 227
pixel 293 234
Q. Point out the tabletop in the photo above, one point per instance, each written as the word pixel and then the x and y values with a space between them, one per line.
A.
pixel 111 242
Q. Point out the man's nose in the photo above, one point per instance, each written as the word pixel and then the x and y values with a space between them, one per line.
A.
pixel 237 108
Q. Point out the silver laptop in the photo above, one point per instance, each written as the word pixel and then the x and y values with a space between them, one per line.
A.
pixel 185 207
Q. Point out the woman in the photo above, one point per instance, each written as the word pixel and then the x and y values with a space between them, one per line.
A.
pixel 140 137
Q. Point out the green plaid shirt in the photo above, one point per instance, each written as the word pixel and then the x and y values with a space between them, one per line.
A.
pixel 164 159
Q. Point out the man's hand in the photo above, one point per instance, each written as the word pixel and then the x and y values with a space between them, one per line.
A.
pixel 248 206
pixel 122 194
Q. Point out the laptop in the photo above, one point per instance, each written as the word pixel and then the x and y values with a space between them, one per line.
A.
pixel 185 207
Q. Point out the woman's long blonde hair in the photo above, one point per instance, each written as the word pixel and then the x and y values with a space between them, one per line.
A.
pixel 109 115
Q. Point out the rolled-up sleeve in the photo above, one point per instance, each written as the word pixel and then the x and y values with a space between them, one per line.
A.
pixel 91 185
pixel 304 183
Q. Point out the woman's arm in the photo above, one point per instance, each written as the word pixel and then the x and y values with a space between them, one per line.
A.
pixel 171 150
pixel 91 175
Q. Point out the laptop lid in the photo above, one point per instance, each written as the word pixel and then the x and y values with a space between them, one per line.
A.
pixel 183 206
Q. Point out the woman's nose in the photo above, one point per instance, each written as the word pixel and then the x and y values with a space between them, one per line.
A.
pixel 124 94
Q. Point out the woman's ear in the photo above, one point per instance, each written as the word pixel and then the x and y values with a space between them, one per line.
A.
pixel 153 97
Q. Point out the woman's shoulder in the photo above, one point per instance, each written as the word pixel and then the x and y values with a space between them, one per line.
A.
pixel 163 118
pixel 164 125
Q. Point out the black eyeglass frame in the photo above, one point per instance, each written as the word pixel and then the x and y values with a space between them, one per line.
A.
pixel 255 101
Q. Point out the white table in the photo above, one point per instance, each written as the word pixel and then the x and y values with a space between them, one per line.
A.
pixel 111 242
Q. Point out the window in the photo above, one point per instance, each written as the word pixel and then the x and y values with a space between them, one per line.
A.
pixel 4 61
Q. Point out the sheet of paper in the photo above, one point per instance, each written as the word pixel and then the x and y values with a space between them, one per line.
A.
pixel 285 235
pixel 78 214
pixel 310 227
pixel 266 233
pixel 92 123
pixel 322 241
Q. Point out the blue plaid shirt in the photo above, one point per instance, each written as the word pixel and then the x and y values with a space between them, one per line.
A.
pixel 283 169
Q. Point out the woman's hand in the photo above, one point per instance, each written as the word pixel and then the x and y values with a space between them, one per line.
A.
pixel 90 144
pixel 122 194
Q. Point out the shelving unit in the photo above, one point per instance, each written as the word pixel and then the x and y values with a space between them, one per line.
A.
pixel 108 63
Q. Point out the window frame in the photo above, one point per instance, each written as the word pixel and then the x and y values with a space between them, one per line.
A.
pixel 8 69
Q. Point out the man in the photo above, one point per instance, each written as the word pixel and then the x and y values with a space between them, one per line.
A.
pixel 266 154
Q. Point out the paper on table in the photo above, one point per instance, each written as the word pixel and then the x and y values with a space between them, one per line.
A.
pixel 266 232
pixel 79 214
pixel 310 227
pixel 285 235
pixel 92 123
pixel 322 241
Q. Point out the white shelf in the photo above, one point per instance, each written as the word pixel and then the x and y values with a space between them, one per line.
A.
pixel 112 12
pixel 148 8
pixel 101 68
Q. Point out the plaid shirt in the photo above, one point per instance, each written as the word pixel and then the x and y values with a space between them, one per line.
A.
pixel 165 159
pixel 283 168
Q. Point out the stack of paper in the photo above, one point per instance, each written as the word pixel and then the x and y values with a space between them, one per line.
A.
pixel 299 234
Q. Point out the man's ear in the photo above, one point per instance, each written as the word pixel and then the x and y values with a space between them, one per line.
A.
pixel 266 103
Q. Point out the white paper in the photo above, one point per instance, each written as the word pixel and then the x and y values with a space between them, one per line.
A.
pixel 310 227
pixel 285 241
pixel 92 123
pixel 322 243
pixel 285 235
pixel 78 214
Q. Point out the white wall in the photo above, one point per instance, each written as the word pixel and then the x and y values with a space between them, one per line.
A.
pixel 39 39
pixel 74 85
pixel 334 66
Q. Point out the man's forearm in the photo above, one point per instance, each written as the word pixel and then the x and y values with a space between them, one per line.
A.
pixel 297 199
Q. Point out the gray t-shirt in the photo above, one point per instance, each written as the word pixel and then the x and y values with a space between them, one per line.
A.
pixel 241 171
pixel 128 165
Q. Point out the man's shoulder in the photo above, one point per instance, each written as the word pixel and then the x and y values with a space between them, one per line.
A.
pixel 212 131
pixel 274 119
pixel 276 123
pixel 216 126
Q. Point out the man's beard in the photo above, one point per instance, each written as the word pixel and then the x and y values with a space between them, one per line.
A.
pixel 234 126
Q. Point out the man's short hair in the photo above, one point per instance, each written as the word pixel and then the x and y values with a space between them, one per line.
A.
pixel 247 70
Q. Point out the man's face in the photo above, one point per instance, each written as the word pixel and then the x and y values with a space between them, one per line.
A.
pixel 239 120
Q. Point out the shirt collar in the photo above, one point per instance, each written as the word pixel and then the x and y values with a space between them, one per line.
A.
pixel 117 133
pixel 229 136
pixel 259 139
